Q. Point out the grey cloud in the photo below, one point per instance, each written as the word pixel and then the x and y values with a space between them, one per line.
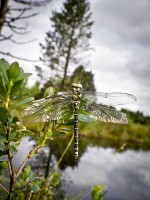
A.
pixel 139 66
pixel 124 27
pixel 129 19
pixel 139 69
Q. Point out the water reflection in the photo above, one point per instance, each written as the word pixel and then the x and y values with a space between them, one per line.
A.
pixel 125 176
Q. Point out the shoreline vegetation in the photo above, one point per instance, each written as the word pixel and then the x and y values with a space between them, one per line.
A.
pixel 135 134
pixel 130 135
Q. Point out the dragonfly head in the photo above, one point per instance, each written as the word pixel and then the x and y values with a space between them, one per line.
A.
pixel 76 88
pixel 76 85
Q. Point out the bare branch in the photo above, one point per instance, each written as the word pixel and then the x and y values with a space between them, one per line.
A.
pixel 20 16
pixel 16 57
pixel 17 29
pixel 26 42
pixel 20 9
pixel 11 15
pixel 2 37
pixel 34 3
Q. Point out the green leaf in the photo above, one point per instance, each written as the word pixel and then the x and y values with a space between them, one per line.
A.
pixel 12 148
pixel 26 132
pixel 35 188
pixel 13 71
pixel 22 75
pixel 31 175
pixel 4 66
pixel 12 136
pixel 2 153
pixel 2 89
pixel 60 133
pixel 97 192
pixel 3 114
pixel 14 120
pixel 69 122
pixel 16 88
pixel 48 134
pixel 4 165
pixel 3 137
pixel 55 179
pixel 26 75
pixel 27 171
pixel 85 118
pixel 41 134
pixel 22 176
pixel 49 92
pixel 2 98
pixel 65 129
pixel 25 101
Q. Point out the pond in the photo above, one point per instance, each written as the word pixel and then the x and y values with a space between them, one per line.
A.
pixel 126 175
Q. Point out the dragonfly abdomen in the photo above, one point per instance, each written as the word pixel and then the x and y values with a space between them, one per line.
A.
pixel 76 108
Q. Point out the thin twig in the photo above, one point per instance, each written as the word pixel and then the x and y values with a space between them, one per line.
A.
pixel 34 3
pixel 29 41
pixel 16 57
pixel 4 188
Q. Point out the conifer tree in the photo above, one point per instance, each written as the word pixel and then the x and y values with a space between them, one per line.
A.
pixel 69 34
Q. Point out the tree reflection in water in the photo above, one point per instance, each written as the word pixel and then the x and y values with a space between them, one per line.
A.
pixel 48 156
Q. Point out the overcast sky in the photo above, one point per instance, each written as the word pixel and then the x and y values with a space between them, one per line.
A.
pixel 121 41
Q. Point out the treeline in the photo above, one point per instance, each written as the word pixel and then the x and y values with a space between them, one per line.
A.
pixel 137 117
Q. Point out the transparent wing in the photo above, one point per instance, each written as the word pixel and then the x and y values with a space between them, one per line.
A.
pixel 48 101
pixel 116 98
pixel 106 114
pixel 47 109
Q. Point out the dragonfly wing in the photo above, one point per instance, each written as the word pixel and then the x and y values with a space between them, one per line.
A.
pixel 116 98
pixel 106 114
pixel 47 109
pixel 36 105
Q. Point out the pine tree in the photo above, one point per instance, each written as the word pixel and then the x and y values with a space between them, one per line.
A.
pixel 70 33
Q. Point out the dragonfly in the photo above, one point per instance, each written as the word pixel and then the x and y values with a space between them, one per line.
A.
pixel 80 105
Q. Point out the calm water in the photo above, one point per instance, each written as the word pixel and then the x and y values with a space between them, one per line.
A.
pixel 126 176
